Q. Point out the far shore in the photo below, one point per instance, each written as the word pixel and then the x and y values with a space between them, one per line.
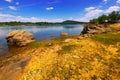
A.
pixel 14 23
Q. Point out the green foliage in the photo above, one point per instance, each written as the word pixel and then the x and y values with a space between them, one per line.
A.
pixel 66 49
pixel 107 38
pixel 111 18
pixel 102 19
pixel 15 23
pixel 114 16
pixel 94 21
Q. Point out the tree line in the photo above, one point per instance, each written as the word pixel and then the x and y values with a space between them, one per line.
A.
pixel 113 17
pixel 14 23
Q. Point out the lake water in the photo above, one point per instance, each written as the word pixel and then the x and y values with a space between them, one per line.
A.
pixel 40 32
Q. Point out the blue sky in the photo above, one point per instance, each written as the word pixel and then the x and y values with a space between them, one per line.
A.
pixel 55 10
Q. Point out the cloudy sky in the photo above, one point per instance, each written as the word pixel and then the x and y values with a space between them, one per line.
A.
pixel 55 10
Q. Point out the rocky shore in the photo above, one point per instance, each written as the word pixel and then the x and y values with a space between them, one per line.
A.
pixel 93 29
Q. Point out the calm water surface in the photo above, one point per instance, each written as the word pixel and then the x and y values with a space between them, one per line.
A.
pixel 40 33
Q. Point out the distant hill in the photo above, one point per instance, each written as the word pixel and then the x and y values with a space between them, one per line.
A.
pixel 72 22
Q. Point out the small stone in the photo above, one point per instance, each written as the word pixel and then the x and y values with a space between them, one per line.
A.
pixel 85 35
pixel 64 34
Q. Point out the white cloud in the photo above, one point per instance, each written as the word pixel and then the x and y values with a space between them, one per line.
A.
pixel 8 18
pixel 17 3
pixel 112 8
pixel 105 0
pixel 118 1
pixel 12 7
pixel 89 8
pixel 50 8
pixel 8 1
pixel 90 14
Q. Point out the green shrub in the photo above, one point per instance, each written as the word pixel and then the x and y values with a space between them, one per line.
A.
pixel 36 44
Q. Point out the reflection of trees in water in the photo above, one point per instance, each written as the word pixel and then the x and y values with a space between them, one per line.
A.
pixel 11 28
pixel 16 28
pixel 71 26
pixel 47 26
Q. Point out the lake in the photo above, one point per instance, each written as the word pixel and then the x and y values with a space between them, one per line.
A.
pixel 41 33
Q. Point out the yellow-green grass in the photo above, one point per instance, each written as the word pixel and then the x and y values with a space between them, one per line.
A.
pixel 107 38
pixel 66 49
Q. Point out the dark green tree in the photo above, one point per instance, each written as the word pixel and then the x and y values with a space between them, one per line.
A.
pixel 102 19
pixel 114 16
pixel 94 21
pixel 111 18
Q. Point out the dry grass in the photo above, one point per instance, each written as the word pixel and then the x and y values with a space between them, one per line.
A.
pixel 116 25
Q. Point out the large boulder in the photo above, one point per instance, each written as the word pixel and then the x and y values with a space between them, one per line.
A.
pixel 19 38
pixel 91 29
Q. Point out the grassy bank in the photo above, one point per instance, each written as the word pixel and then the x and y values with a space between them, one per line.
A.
pixel 107 38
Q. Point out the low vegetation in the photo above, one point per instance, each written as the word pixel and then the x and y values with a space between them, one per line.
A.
pixel 36 44
pixel 66 49
pixel 108 38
